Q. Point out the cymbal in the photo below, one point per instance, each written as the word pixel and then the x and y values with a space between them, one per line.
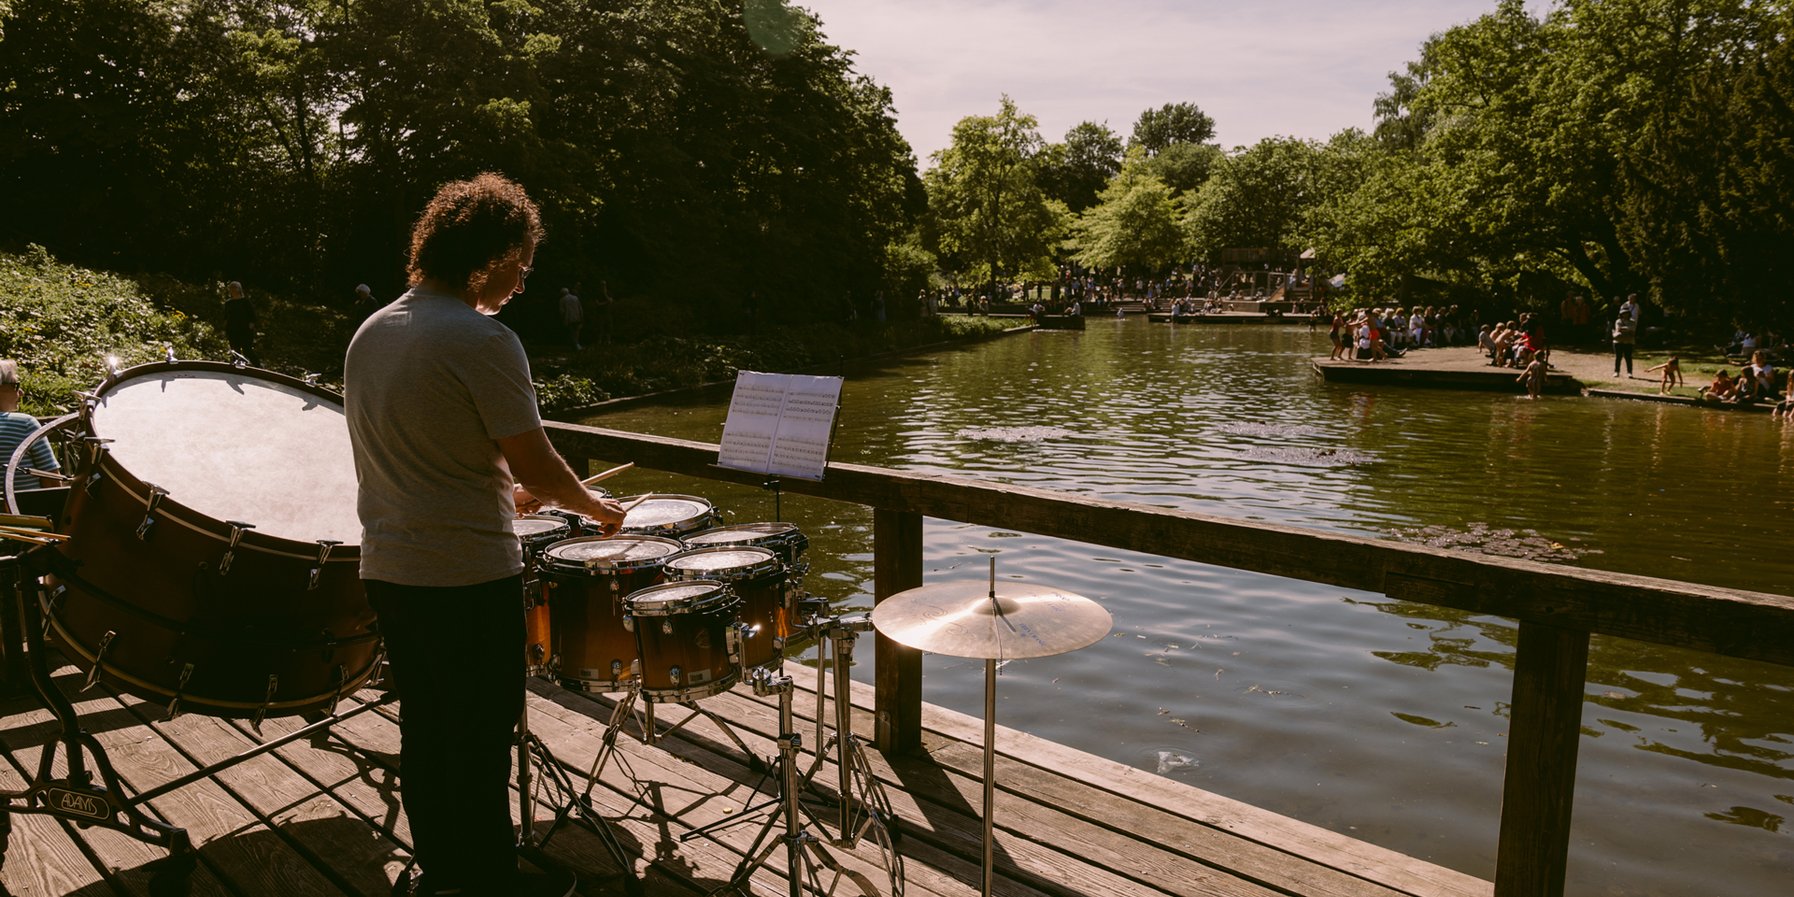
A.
pixel 961 619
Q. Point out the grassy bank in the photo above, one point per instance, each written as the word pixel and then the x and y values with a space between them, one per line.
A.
pixel 61 322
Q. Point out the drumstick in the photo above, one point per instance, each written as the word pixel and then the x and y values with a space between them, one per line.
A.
pixel 600 477
pixel 637 502
pixel 41 534
pixel 21 537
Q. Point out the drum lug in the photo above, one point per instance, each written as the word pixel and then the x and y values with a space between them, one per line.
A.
pixel 675 674
pixel 237 529
pixel 149 511
pixel 261 712
pixel 628 622
pixel 324 546
pixel 99 658
pixel 96 445
pixel 174 706
pixel 92 481
pixel 666 626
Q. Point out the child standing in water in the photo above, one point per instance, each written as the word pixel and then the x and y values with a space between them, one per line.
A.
pixel 1533 376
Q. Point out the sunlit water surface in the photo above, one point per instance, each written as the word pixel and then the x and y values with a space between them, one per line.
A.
pixel 1349 710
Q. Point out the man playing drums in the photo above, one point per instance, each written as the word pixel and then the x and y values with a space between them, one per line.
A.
pixel 449 446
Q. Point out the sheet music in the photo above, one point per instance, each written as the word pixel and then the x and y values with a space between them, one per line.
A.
pixel 780 424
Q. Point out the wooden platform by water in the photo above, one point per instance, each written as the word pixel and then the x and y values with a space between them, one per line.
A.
pixel 1426 369
pixel 322 816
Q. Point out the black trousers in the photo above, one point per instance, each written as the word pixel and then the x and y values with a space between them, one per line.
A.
pixel 457 661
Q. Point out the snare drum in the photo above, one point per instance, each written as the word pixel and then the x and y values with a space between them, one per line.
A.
pixel 782 539
pixel 585 582
pixel 536 532
pixel 757 576
pixel 670 516
pixel 685 633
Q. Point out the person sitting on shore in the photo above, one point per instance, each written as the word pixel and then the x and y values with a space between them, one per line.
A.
pixel 1485 342
pixel 1764 373
pixel 1785 408
pixel 1746 391
pixel 1672 374
pixel 1721 389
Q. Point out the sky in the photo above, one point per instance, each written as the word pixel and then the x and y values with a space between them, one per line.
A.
pixel 1260 68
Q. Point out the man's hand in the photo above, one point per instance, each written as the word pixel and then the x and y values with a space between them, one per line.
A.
pixel 609 521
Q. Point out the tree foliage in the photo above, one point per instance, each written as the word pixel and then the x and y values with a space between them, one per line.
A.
pixel 991 218
pixel 1075 171
pixel 1169 125
pixel 686 148
pixel 1134 226
pixel 1610 145
pixel 1255 198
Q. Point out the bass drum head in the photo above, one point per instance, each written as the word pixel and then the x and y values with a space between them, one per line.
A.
pixel 279 458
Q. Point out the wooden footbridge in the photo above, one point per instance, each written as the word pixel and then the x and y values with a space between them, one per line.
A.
pixel 321 815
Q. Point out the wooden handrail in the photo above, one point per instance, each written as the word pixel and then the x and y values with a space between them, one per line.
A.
pixel 1732 622
pixel 1558 607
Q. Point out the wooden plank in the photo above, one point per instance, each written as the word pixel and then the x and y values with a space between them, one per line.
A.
pixel 694 788
pixel 42 859
pixel 1732 622
pixel 1040 846
pixel 897 565
pixel 1140 842
pixel 326 834
pixel 1389 868
pixel 137 757
pixel 1550 667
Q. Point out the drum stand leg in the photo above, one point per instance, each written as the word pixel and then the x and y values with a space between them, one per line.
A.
pixel 754 761
pixel 75 797
pixel 800 868
pixel 575 806
pixel 864 808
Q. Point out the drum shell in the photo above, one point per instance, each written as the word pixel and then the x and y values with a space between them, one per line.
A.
pixel 693 636
pixel 589 648
pixel 764 590
pixel 168 605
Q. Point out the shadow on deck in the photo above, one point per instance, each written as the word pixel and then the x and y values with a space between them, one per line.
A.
pixel 321 816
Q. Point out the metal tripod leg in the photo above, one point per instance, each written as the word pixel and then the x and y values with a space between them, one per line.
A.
pixel 798 866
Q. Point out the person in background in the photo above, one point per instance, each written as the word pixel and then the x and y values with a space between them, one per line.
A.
pixel 449 447
pixel 15 426
pixel 1625 337
pixel 239 323
pixel 364 301
pixel 573 316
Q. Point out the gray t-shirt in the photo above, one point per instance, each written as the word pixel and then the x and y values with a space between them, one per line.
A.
pixel 430 385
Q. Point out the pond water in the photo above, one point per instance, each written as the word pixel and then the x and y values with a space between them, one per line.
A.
pixel 1349 710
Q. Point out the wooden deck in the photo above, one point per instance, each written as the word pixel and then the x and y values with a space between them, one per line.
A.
pixel 322 817
pixel 1426 368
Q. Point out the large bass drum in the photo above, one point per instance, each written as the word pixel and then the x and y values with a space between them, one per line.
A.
pixel 213 559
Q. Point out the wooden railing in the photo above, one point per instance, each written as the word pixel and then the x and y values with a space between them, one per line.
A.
pixel 1558 607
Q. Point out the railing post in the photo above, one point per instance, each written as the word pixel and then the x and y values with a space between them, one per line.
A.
pixel 1545 724
pixel 897 694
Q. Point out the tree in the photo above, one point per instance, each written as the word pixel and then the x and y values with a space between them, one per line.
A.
pixel 1256 198
pixel 1074 172
pixel 1134 226
pixel 1169 125
pixel 990 216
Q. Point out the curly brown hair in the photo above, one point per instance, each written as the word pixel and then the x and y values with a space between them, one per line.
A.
pixel 471 226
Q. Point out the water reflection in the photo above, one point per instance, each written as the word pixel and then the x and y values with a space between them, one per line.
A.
pixel 1375 717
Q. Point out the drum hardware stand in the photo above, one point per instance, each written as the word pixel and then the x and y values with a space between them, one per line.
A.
pixel 76 797
pixel 575 806
pixel 841 632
